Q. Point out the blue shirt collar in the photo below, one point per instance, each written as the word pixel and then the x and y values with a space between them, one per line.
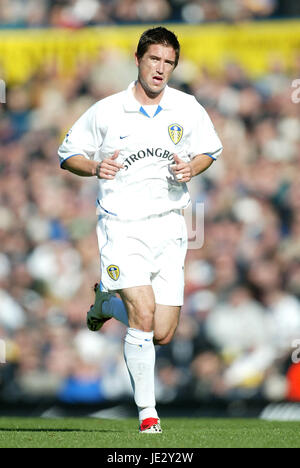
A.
pixel 132 105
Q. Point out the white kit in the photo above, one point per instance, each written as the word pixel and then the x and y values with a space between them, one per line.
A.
pixel 141 232
pixel 146 185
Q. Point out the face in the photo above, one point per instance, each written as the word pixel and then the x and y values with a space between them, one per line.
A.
pixel 155 68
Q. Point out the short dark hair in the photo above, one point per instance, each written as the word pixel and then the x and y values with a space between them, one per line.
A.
pixel 158 35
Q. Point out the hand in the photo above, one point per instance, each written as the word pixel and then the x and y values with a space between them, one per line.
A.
pixel 182 170
pixel 108 168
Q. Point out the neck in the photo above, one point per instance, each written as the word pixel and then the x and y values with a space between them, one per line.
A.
pixel 145 96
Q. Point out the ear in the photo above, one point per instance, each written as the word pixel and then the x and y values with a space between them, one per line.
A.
pixel 136 59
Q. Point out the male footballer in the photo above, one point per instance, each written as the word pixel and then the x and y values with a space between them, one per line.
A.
pixel 143 144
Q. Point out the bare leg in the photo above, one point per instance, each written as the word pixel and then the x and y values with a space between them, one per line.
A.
pixel 166 319
pixel 140 304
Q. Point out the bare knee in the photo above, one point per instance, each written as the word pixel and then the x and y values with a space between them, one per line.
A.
pixel 140 307
pixel 163 339
pixel 141 319
pixel 165 324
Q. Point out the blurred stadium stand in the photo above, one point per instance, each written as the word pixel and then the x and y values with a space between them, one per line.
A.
pixel 240 326
pixel 78 13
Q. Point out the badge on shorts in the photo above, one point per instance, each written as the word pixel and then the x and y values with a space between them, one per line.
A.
pixel 113 272
pixel 175 133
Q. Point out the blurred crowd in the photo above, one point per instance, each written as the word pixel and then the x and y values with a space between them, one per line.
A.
pixel 78 13
pixel 240 325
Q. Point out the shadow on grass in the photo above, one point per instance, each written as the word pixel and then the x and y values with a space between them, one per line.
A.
pixel 10 429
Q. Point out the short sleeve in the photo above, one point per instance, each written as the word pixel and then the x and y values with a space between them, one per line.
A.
pixel 83 138
pixel 203 138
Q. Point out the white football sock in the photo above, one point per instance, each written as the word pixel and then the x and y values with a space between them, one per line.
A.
pixel 139 353
pixel 145 413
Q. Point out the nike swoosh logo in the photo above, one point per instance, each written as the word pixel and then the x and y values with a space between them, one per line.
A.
pixel 122 137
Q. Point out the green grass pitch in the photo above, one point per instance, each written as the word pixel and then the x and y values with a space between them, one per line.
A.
pixel 177 433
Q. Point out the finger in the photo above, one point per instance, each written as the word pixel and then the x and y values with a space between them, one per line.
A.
pixel 112 161
pixel 107 172
pixel 183 179
pixel 103 175
pixel 107 175
pixel 177 159
pixel 107 166
pixel 175 167
pixel 178 167
pixel 113 165
pixel 115 155
pixel 110 164
pixel 185 174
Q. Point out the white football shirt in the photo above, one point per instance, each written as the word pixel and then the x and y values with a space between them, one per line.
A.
pixel 146 185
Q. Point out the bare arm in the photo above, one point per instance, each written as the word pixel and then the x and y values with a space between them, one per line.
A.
pixel 80 166
pixel 83 167
pixel 200 163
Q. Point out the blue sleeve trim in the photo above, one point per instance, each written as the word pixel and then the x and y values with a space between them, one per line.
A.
pixel 210 155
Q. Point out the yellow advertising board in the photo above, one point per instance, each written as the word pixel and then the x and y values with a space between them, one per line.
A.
pixel 23 52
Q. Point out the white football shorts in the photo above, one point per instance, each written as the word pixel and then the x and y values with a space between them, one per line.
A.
pixel 150 251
